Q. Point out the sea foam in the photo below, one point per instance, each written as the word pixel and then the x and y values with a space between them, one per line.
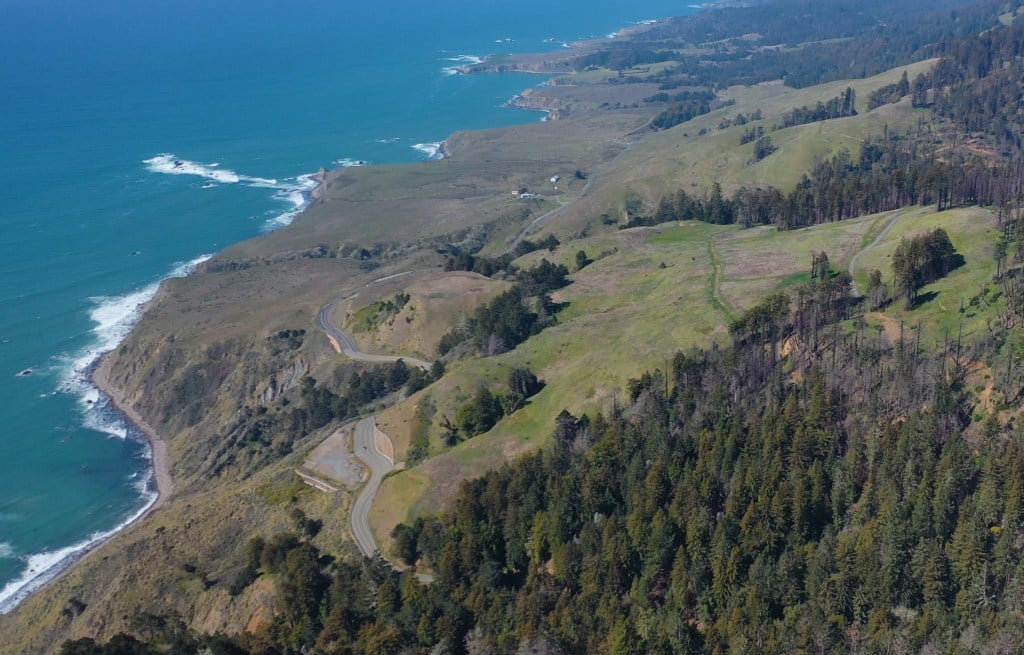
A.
pixel 296 194
pixel 292 191
pixel 346 162
pixel 43 567
pixel 432 150
pixel 172 165
pixel 114 317
pixel 169 164
pixel 460 61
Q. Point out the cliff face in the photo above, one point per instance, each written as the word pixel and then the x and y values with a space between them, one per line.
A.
pixel 538 100
pixel 204 398
pixel 208 390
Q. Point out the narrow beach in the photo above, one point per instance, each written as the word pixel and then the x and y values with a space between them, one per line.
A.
pixel 158 445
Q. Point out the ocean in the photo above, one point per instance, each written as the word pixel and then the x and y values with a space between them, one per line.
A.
pixel 137 138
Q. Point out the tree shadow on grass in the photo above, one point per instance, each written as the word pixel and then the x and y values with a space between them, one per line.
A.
pixel 923 298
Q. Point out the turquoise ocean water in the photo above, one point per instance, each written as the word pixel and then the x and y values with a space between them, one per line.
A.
pixel 100 98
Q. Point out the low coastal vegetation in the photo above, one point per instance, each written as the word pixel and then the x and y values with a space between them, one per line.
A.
pixel 371 316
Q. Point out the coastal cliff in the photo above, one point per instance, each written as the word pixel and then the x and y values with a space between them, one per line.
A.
pixel 533 99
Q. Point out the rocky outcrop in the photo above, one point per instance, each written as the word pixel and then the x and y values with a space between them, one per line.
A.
pixel 492 66
pixel 536 99
pixel 281 382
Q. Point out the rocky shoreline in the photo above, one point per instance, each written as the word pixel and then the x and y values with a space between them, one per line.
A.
pixel 162 480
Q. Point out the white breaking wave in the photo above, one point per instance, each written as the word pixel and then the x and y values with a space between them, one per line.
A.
pixel 291 191
pixel 43 567
pixel 114 317
pixel 350 163
pixel 460 60
pixel 167 163
pixel 296 194
pixel 431 150
pixel 172 165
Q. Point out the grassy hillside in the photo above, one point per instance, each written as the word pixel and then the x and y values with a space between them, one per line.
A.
pixel 654 291
pixel 436 302
pixel 950 305
pixel 685 158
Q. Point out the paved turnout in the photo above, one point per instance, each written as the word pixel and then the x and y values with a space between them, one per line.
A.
pixel 364 442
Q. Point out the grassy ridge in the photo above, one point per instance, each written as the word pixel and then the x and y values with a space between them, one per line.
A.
pixel 648 292
pixel 625 311
pixel 683 157
pixel 973 233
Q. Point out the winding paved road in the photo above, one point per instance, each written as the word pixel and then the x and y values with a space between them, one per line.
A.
pixel 364 442
pixel 379 464
pixel 344 343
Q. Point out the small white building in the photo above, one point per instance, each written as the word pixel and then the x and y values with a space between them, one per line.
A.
pixel 555 179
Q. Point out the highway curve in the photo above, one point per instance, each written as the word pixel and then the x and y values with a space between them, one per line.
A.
pixel 344 343
pixel 379 464
pixel 364 443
